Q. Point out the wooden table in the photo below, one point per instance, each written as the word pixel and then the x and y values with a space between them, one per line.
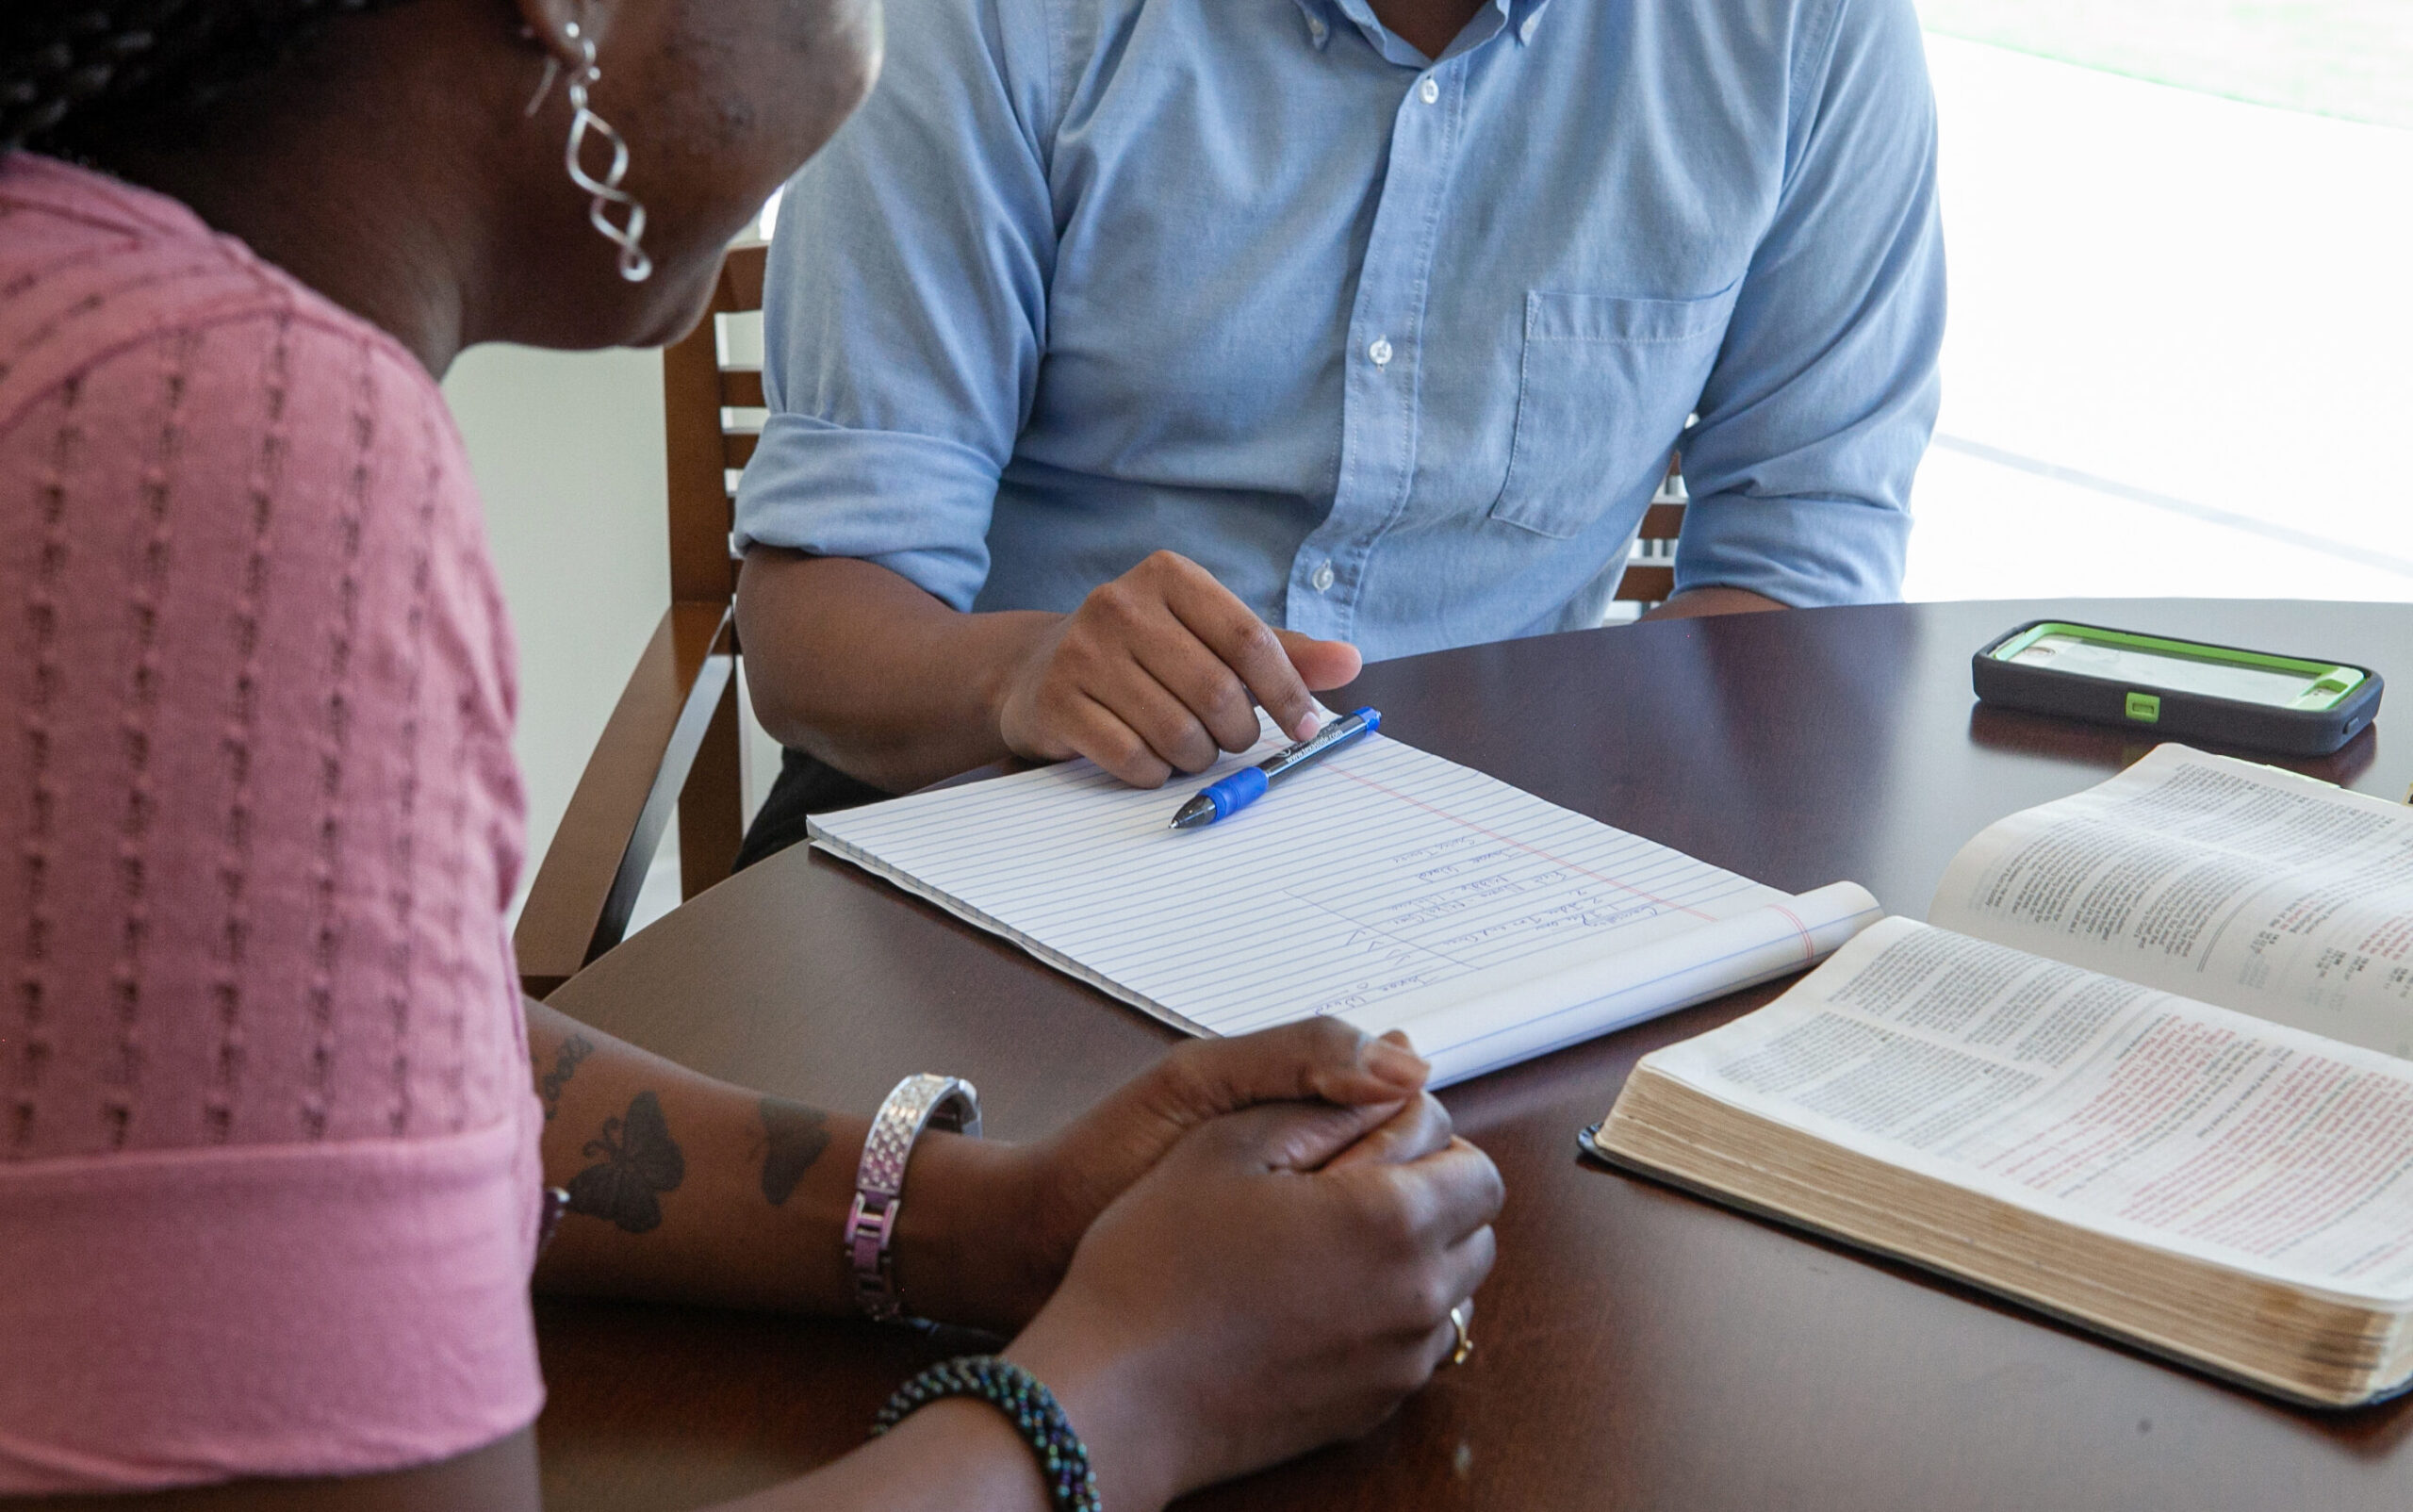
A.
pixel 1637 1348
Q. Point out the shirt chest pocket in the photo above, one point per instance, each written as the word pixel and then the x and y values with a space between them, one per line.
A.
pixel 1602 393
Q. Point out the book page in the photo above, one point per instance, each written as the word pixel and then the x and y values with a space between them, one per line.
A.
pixel 2091 1100
pixel 2239 884
pixel 1379 872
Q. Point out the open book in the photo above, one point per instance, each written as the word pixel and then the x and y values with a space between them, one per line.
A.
pixel 2142 1070
pixel 1383 885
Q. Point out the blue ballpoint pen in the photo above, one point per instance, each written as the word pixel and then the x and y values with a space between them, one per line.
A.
pixel 1221 801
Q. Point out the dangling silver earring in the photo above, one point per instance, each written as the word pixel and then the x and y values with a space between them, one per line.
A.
pixel 604 192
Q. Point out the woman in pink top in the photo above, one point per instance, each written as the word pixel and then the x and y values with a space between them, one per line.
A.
pixel 274 1122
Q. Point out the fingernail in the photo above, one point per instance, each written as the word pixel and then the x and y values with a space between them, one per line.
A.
pixel 1390 1058
pixel 1307 727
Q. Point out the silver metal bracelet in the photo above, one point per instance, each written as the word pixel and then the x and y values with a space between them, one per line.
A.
pixel 951 1103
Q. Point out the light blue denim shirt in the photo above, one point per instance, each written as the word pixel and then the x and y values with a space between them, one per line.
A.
pixel 1398 349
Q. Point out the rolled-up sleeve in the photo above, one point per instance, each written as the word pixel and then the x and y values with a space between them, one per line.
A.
pixel 1824 395
pixel 905 307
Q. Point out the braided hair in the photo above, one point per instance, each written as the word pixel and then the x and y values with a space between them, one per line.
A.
pixel 74 69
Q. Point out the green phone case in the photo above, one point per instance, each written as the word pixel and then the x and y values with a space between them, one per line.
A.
pixel 2167 712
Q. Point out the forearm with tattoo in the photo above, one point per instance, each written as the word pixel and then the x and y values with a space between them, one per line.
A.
pixel 683 1187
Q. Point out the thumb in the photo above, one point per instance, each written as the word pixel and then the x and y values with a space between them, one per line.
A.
pixel 1321 1059
pixel 1289 1135
pixel 1322 664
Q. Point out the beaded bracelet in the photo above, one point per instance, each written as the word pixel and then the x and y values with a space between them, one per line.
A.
pixel 1031 1408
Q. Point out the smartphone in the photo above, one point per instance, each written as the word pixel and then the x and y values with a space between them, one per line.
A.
pixel 2181 689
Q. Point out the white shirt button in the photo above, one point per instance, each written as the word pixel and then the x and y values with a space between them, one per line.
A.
pixel 1315 28
pixel 1429 90
pixel 1525 32
pixel 1322 578
pixel 1381 350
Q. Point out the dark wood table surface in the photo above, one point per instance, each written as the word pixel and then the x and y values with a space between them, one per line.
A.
pixel 1638 1348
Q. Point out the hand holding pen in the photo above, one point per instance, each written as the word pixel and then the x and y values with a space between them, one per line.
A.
pixel 1222 799
pixel 1158 672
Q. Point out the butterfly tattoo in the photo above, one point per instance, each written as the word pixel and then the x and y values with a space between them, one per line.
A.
pixel 640 1161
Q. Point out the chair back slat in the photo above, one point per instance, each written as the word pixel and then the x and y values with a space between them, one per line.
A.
pixel 1646 583
pixel 741 277
pixel 703 446
pixel 1662 523
pixel 1650 574
pixel 742 388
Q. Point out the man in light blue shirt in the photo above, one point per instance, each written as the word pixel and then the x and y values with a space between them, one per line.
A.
pixel 1382 317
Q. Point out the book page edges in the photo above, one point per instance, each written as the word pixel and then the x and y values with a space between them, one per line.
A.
pixel 1683 1062
pixel 2369 1345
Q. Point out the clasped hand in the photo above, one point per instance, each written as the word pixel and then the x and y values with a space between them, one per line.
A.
pixel 1248 1251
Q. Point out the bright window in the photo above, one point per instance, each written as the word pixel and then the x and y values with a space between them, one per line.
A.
pixel 2180 354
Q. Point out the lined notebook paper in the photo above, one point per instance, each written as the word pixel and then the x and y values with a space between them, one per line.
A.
pixel 1383 885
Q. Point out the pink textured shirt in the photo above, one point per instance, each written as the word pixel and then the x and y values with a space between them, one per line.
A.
pixel 268 1166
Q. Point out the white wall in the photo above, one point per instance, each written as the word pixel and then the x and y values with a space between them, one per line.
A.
pixel 568 450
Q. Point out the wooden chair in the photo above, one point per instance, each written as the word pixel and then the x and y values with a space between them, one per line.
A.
pixel 1650 574
pixel 672 741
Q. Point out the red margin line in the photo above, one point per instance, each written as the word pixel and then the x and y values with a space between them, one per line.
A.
pixel 1809 946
